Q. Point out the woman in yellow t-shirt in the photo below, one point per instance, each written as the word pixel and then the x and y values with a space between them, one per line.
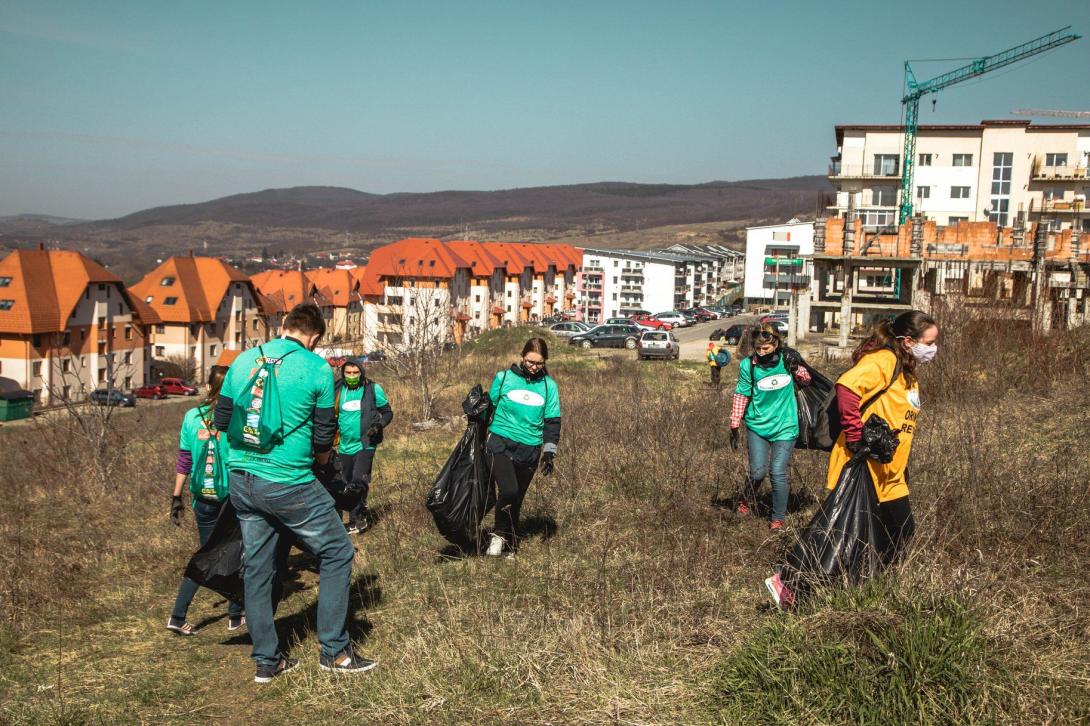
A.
pixel 906 341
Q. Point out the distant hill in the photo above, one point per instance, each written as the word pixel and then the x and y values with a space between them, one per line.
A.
pixel 557 207
pixel 30 223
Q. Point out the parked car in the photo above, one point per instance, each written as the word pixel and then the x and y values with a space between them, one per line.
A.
pixel 566 330
pixel 731 335
pixel 673 317
pixel 778 315
pixel 646 321
pixel 608 336
pixel 178 387
pixel 619 321
pixel 658 344
pixel 151 391
pixel 112 397
pixel 699 314
pixel 715 313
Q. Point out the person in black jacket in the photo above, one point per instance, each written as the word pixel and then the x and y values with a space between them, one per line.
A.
pixel 363 411
pixel 524 432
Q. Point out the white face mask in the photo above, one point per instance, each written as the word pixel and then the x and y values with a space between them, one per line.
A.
pixel 924 353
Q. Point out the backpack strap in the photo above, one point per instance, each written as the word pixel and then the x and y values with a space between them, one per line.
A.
pixel 875 397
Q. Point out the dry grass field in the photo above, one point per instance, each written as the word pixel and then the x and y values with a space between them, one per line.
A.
pixel 638 598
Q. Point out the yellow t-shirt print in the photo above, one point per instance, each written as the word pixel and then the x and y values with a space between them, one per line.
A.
pixel 899 407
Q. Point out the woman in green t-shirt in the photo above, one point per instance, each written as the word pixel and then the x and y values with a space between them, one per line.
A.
pixel 525 430
pixel 765 399
pixel 202 459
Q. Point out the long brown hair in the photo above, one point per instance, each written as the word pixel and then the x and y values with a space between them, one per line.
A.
pixel 536 345
pixel 215 383
pixel 767 332
pixel 887 334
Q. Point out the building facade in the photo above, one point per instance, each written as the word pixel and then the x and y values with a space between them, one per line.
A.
pixel 778 259
pixel 68 327
pixel 993 171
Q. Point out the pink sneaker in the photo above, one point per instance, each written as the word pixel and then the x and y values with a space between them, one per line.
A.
pixel 775 525
pixel 742 510
pixel 781 594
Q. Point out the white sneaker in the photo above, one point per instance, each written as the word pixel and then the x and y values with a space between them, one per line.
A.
pixel 495 547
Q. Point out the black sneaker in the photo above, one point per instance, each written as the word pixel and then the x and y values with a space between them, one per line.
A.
pixel 345 662
pixel 266 673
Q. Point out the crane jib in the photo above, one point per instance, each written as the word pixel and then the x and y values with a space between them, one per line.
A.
pixel 978 67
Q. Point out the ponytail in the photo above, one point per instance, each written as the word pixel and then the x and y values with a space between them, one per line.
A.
pixel 215 383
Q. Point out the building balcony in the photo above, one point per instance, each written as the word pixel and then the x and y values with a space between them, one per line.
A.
pixel 1060 173
pixel 632 288
pixel 1061 205
pixel 853 171
pixel 786 280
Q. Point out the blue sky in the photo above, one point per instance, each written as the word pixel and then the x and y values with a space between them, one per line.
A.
pixel 110 107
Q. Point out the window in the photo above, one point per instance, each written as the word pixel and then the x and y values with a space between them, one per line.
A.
pixel 101 375
pixel 254 326
pixel 923 192
pixel 5 281
pixel 167 281
pixel 1055 159
pixel 160 351
pixel 963 159
pixel 476 298
pixel 213 350
pixel 160 329
pixel 884 197
pixel 998 211
pixel 238 337
pixel 66 365
pixel 1002 161
pixel 66 393
pixel 36 341
pixel 128 358
pixel 959 192
pixel 102 323
pixel 170 301
pixel 36 368
pixel 128 332
pixel 925 160
pixel 128 383
pixel 101 287
pixel 6 304
pixel 102 349
pixel 886 164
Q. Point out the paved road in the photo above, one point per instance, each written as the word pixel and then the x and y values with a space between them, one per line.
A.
pixel 694 340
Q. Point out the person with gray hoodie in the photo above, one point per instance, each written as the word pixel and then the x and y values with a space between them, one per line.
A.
pixel 363 411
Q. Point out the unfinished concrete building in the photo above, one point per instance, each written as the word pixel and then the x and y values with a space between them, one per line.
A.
pixel 1027 272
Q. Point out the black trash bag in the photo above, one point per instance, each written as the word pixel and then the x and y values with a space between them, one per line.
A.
pixel 463 493
pixel 842 543
pixel 217 565
pixel 819 417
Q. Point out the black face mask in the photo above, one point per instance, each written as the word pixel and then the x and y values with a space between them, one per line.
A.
pixel 768 359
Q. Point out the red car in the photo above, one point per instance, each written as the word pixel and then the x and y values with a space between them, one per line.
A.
pixel 177 387
pixel 152 391
pixel 650 322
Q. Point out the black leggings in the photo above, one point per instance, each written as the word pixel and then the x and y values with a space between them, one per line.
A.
pixel 512 480
pixel 898 527
pixel 356 470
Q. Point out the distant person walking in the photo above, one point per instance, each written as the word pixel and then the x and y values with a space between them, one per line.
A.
pixel 202 460
pixel 525 430
pixel 363 411
pixel 765 399
pixel 885 371
pixel 718 359
pixel 277 405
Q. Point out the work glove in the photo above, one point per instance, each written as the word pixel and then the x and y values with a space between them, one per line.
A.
pixel 374 431
pixel 547 467
pixel 734 439
pixel 177 508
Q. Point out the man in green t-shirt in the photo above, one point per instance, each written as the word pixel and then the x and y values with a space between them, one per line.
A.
pixel 273 488
pixel 363 411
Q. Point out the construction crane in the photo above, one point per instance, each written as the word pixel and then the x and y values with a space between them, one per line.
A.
pixel 1050 112
pixel 915 90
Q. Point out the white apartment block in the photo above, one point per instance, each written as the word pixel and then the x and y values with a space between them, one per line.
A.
pixel 777 259
pixel 992 171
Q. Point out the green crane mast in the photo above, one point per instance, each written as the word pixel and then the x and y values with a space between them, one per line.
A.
pixel 914 91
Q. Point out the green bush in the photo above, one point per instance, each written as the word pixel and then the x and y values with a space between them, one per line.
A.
pixel 871 656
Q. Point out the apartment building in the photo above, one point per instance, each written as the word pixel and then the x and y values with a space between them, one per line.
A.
pixel 424 284
pixel 778 259
pixel 618 283
pixel 340 288
pixel 68 326
pixel 484 305
pixel 992 171
pixel 279 291
pixel 204 306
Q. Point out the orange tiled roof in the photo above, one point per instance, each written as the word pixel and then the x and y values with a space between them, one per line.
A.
pixel 512 258
pixel 196 287
pixel 481 260
pixel 367 286
pixel 339 286
pixel 227 357
pixel 412 257
pixel 284 289
pixel 45 288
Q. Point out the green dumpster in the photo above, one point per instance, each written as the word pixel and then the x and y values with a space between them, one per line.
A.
pixel 15 405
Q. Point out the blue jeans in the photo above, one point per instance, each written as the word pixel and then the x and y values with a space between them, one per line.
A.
pixel 307 511
pixel 760 452
pixel 205 514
